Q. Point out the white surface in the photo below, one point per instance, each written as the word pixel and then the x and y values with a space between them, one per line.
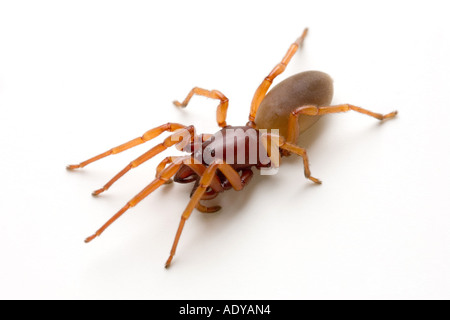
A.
pixel 77 78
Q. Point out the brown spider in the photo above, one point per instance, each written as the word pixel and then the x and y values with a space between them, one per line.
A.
pixel 225 160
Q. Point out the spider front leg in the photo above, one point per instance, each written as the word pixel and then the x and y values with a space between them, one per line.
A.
pixel 198 169
pixel 168 160
pixel 163 177
pixel 195 168
pixel 293 124
pixel 205 181
pixel 222 108
pixel 149 135
pixel 181 138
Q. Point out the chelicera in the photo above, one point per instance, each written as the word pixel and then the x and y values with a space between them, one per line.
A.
pixel 290 107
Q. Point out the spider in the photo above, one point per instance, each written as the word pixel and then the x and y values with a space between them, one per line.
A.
pixel 221 161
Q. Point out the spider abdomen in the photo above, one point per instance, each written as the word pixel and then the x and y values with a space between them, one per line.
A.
pixel 305 88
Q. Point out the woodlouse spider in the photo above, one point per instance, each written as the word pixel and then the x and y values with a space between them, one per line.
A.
pixel 225 160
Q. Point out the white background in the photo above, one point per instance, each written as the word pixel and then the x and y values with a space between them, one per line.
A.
pixel 79 77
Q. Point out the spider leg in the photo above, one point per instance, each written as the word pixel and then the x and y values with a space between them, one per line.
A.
pixel 276 71
pixel 205 181
pixel 178 137
pixel 203 137
pixel 162 165
pixel 302 153
pixel 221 113
pixel 149 135
pixel 164 176
pixel 205 209
pixel 208 195
pixel 281 143
pixel 197 168
pixel 293 125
